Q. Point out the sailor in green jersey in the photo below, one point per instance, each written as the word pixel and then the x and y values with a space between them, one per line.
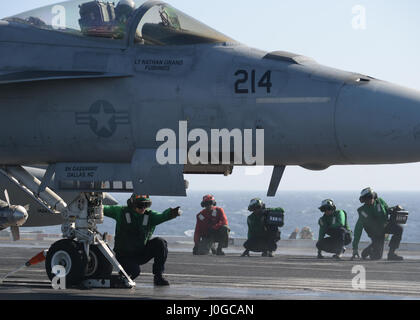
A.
pixel 134 229
pixel 334 224
pixel 261 238
pixel 373 217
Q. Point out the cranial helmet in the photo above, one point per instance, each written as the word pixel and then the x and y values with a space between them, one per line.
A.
pixel 256 204
pixel 139 201
pixel 327 204
pixel 208 200
pixel 366 194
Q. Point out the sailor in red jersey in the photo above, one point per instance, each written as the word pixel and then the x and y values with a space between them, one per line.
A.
pixel 212 227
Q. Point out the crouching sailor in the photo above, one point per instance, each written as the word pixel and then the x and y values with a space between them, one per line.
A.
pixel 373 218
pixel 332 223
pixel 262 233
pixel 211 228
pixel 134 229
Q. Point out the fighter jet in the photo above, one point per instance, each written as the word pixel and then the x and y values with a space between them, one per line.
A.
pixel 131 96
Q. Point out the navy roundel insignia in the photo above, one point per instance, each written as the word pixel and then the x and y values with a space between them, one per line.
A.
pixel 102 118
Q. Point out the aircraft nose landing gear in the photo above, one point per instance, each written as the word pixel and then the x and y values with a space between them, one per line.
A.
pixel 83 253
pixel 86 258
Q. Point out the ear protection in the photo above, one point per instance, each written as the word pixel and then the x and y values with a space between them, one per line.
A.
pixel 207 201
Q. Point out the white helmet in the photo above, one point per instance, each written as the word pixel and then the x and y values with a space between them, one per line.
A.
pixel 367 193
pixel 327 204
pixel 255 204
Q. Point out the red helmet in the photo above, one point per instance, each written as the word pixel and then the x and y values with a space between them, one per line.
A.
pixel 208 200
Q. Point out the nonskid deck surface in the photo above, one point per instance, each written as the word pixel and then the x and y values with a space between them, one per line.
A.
pixel 286 276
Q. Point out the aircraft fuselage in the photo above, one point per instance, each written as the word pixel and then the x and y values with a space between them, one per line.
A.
pixel 312 115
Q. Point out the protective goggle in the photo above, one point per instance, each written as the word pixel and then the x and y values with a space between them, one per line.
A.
pixel 143 204
pixel 366 197
pixel 326 208
pixel 327 205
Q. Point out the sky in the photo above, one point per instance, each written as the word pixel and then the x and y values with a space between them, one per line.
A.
pixel 378 38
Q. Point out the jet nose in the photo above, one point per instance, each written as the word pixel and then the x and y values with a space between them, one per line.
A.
pixel 378 122
pixel 20 215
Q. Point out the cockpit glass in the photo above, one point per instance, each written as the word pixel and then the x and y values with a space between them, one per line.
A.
pixel 161 24
pixel 86 18
pixel 164 25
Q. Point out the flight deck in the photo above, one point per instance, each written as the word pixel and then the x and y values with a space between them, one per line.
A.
pixel 294 273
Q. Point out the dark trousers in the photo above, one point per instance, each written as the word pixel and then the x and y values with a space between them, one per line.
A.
pixel 220 236
pixel 156 249
pixel 335 242
pixel 376 248
pixel 267 242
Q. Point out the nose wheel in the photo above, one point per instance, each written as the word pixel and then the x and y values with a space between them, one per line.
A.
pixel 98 266
pixel 70 255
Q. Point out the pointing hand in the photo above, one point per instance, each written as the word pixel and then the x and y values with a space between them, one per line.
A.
pixel 176 212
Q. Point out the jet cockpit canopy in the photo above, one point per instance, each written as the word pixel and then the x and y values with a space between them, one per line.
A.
pixel 151 22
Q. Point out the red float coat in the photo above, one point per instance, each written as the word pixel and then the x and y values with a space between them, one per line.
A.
pixel 209 219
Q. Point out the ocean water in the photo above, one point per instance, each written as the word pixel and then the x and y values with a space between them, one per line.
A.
pixel 301 209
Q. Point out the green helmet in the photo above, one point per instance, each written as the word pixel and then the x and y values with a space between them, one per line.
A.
pixel 256 204
pixel 139 201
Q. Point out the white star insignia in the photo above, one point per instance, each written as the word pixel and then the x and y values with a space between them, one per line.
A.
pixel 103 119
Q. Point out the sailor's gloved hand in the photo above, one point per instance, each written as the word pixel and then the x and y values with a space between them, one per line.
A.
pixel 355 254
pixel 176 212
